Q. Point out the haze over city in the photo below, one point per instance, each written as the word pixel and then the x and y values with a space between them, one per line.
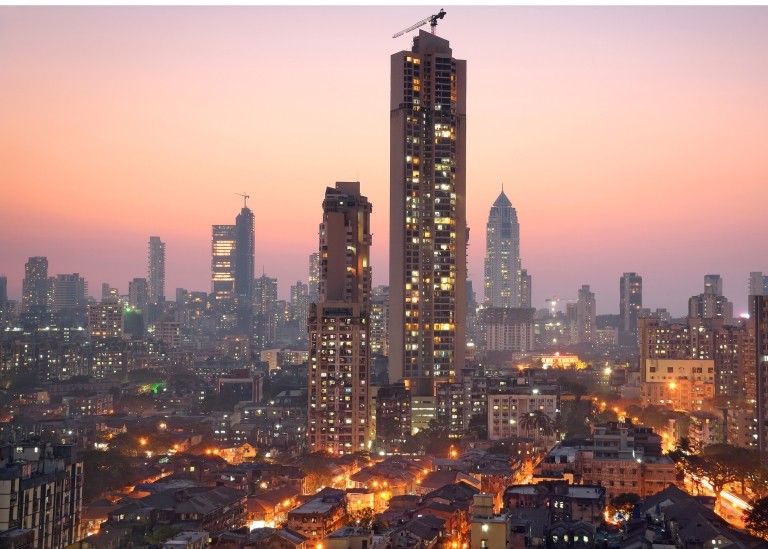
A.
pixel 627 138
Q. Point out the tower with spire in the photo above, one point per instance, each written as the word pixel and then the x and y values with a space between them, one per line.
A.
pixel 507 285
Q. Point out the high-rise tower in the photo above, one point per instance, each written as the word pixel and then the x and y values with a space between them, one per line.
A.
pixel 244 258
pixel 428 226
pixel 156 272
pixel 630 303
pixel 586 316
pixel 35 285
pixel 244 253
pixel 223 274
pixel 503 271
pixel 339 418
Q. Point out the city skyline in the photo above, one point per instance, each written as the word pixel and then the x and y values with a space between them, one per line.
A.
pixel 609 127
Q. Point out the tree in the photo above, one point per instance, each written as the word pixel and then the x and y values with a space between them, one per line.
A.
pixel 538 422
pixel 757 519
pixel 576 415
pixel 363 518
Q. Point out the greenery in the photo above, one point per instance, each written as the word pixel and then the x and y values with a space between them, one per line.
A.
pixel 757 519
pixel 434 440
pixel 160 535
pixel 104 472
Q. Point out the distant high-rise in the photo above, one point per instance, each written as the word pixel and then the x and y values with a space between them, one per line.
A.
pixel 223 262
pixel 138 293
pixel 526 286
pixel 428 224
pixel 69 291
pixel 339 417
pixel 503 286
pixel 314 277
pixel 156 271
pixel 300 307
pixel 586 316
pixel 244 260
pixel 712 304
pixel 265 312
pixel 244 253
pixel 758 284
pixel 35 286
pixel 630 305
pixel 3 291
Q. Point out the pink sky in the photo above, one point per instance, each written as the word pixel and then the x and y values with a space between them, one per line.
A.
pixel 628 138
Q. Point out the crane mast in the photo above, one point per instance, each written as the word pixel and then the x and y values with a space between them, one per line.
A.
pixel 432 20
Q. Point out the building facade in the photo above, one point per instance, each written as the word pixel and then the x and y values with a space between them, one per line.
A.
pixel 340 416
pixel 760 308
pixel 428 225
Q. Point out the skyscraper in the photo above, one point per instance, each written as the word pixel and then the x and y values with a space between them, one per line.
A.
pixel 244 258
pixel 264 312
pixel 586 316
pixel 3 291
pixel 630 304
pixel 339 417
pixel 244 253
pixel 503 271
pixel 35 285
pixel 428 226
pixel 223 274
pixel 156 271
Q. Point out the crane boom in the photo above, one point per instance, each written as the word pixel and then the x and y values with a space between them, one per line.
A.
pixel 245 198
pixel 432 20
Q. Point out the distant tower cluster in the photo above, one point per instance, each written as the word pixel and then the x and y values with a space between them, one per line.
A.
pixel 339 327
pixel 506 283
pixel 428 225
pixel 232 271
pixel 156 271
pixel 630 306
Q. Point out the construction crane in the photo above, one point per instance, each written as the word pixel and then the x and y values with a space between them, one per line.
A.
pixel 245 199
pixel 432 20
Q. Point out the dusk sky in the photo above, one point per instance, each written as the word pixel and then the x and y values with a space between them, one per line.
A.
pixel 627 138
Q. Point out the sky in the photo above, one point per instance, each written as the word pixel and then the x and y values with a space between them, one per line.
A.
pixel 627 138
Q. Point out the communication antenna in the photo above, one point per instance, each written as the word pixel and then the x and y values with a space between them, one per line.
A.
pixel 432 20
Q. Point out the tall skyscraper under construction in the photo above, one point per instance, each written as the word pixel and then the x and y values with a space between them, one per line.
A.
pixel 428 228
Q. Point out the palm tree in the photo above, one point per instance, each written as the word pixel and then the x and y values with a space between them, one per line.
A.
pixel 538 422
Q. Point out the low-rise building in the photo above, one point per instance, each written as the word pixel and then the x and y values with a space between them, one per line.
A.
pixel 317 519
